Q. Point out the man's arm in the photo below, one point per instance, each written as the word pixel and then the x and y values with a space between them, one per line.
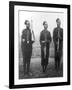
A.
pixel 54 36
pixel 50 39
pixel 41 38
pixel 33 37
pixel 61 35
pixel 23 37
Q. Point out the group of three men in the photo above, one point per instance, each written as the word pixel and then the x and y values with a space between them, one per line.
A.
pixel 45 39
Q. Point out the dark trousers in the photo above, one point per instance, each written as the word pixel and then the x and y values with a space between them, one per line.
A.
pixel 26 52
pixel 58 55
pixel 26 64
pixel 57 60
pixel 44 60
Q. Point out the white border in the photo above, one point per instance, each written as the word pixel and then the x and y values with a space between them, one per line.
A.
pixel 18 81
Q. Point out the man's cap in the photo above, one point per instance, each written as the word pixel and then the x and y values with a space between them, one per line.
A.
pixel 44 22
pixel 57 19
pixel 26 22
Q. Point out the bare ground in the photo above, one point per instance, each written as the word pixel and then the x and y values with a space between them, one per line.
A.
pixel 36 69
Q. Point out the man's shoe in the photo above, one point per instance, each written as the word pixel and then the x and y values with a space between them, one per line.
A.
pixel 29 73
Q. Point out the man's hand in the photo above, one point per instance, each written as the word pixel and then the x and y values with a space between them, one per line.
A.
pixel 43 41
pixel 46 41
pixel 23 40
pixel 27 41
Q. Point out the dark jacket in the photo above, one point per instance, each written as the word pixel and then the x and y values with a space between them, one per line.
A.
pixel 26 47
pixel 45 36
pixel 55 37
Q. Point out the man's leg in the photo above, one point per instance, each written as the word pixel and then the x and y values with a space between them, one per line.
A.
pixel 47 57
pixel 24 65
pixel 56 61
pixel 24 59
pixel 28 65
pixel 42 64
pixel 42 59
pixel 59 59
pixel 28 68
pixel 58 64
pixel 46 63
pixel 43 67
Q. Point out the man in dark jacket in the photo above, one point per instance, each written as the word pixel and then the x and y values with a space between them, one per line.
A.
pixel 45 39
pixel 58 43
pixel 26 45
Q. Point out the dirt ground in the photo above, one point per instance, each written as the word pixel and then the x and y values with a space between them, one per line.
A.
pixel 36 69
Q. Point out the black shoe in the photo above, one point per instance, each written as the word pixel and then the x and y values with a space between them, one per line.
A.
pixel 24 73
pixel 29 73
pixel 43 70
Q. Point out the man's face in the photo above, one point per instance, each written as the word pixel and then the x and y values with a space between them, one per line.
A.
pixel 45 25
pixel 28 24
pixel 58 23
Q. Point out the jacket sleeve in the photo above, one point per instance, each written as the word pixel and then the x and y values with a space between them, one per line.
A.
pixel 54 36
pixel 50 37
pixel 40 38
pixel 61 35
pixel 33 36
pixel 23 37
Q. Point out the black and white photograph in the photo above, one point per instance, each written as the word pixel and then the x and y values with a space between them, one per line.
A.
pixel 40 43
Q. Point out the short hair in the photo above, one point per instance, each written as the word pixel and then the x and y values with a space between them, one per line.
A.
pixel 57 19
pixel 44 22
pixel 26 22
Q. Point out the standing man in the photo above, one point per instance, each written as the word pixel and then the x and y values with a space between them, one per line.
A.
pixel 26 45
pixel 58 43
pixel 45 39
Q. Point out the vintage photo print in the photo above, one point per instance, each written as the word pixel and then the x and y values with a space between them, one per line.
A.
pixel 39 44
pixel 38 56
